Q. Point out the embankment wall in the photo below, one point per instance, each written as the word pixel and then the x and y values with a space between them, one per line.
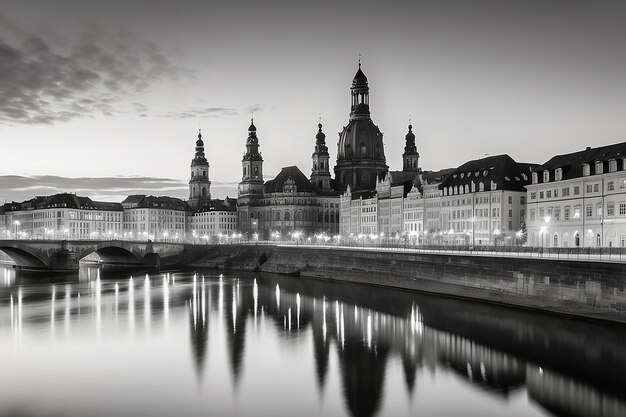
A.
pixel 589 289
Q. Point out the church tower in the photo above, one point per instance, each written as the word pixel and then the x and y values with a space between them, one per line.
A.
pixel 360 153
pixel 410 157
pixel 199 184
pixel 251 185
pixel 320 174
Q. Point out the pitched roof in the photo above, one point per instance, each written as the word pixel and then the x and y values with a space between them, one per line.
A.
pixel 215 204
pixel 303 185
pixel 163 202
pixel 572 163
pixel 500 169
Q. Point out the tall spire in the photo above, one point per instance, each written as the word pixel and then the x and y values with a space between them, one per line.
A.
pixel 410 157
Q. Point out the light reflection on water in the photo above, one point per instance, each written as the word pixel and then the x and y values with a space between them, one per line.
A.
pixel 248 344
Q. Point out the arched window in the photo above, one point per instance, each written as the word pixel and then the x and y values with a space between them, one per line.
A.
pixel 332 217
pixel 556 240
pixel 287 216
pixel 363 149
pixel 326 218
pixel 256 170
pixel 204 173
pixel 481 186
pixel 466 188
pixel 298 215
pixel 321 164
pixel 349 150
pixel 203 191
pixel 577 239
pixel 278 216
pixel 320 217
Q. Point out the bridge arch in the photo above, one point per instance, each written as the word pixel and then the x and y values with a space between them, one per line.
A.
pixel 111 252
pixel 24 258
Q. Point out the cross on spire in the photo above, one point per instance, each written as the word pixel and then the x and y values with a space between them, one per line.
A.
pixel 359 60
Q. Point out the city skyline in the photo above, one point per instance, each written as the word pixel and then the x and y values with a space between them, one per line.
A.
pixel 120 91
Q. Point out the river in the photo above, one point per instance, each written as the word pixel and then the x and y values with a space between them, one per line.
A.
pixel 215 343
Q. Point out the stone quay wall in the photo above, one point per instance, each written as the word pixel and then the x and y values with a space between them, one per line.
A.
pixel 588 289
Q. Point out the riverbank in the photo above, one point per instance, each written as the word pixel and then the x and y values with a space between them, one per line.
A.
pixel 587 289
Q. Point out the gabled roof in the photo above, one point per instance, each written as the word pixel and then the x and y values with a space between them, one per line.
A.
pixel 364 194
pixel 500 169
pixel 303 185
pixel 572 163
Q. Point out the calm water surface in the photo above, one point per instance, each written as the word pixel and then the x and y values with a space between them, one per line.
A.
pixel 211 344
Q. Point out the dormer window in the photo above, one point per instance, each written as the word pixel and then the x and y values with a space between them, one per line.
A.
pixel 494 186
pixel 599 167
pixel 546 176
pixel 481 186
pixel 535 178
pixel 586 170
pixel 558 174
pixel 612 165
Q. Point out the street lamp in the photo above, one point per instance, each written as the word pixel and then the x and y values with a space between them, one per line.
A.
pixel 496 234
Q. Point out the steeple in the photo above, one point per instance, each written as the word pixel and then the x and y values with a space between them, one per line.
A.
pixel 251 185
pixel 320 174
pixel 360 96
pixel 199 184
pixel 410 157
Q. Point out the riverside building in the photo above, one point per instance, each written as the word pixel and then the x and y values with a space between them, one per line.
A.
pixel 483 202
pixel 62 216
pixel 579 199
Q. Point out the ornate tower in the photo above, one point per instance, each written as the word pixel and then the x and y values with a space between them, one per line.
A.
pixel 251 185
pixel 360 153
pixel 199 184
pixel 410 157
pixel 320 174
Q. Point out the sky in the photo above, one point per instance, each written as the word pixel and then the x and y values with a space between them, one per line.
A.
pixel 106 98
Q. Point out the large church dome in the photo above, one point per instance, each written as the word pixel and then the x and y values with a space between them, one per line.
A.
pixel 361 138
pixel 360 153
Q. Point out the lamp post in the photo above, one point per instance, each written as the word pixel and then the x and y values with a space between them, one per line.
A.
pixel 473 240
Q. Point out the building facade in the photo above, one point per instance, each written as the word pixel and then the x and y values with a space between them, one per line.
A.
pixel 483 202
pixel 62 216
pixel 579 199
pixel 155 218
pixel 216 218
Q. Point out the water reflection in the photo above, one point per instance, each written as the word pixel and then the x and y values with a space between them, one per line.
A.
pixel 364 345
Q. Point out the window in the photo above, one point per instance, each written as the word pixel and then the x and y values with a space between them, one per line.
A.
pixel 549 194
pixel 622 209
pixel 586 170
pixel 576 190
pixel 510 213
pixel 596 188
pixel 533 195
pixel 546 176
pixel 541 213
pixel 566 213
pixel 610 186
pixel 510 199
pixel 532 214
pixel 481 186
pixel 577 212
pixel 556 193
pixel 557 213
pixel 598 210
pixel 540 195
pixel 610 209
pixel 558 174
pixel 535 179
pixel 522 200
pixel 565 191
pixel 589 188
pixel 599 167
pixel 612 165
pixel 588 211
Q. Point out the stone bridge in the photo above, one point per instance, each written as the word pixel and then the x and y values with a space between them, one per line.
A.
pixel 64 255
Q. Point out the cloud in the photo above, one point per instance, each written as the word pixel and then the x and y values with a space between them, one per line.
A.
pixel 211 112
pixel 45 83
pixel 20 188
